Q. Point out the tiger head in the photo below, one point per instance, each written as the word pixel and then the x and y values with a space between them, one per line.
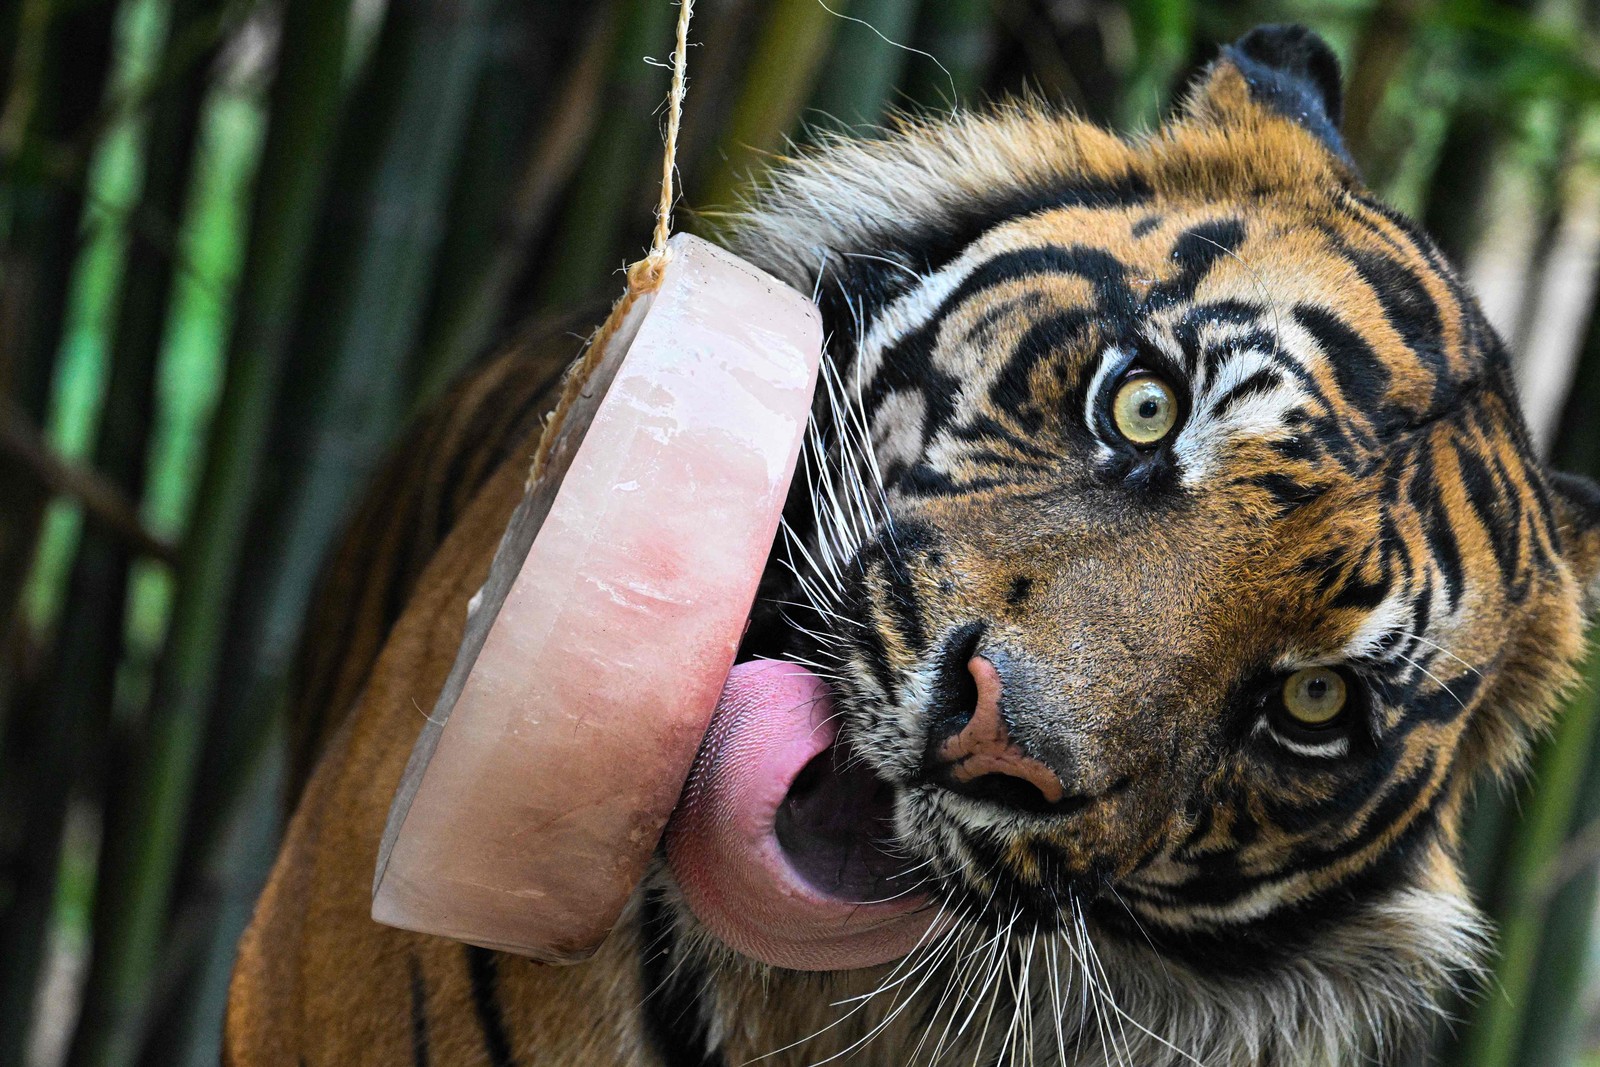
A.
pixel 1174 548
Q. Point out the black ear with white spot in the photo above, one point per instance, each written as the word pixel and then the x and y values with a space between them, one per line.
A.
pixel 1577 506
pixel 1287 69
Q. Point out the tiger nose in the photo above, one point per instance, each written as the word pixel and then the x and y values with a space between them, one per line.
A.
pixel 981 760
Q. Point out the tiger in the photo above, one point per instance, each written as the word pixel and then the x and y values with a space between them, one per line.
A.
pixel 1177 561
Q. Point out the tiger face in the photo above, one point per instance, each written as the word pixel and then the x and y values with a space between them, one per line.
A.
pixel 1172 545
pixel 1157 467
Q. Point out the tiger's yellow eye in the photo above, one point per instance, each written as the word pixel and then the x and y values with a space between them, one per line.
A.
pixel 1314 696
pixel 1145 409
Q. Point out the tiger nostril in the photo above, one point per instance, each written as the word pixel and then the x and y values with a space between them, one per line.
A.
pixel 978 758
pixel 955 690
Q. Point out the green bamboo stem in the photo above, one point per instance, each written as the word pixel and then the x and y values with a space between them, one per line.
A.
pixel 63 58
pixel 478 271
pixel 1555 990
pixel 605 223
pixel 506 104
pixel 145 821
pixel 346 393
pixel 960 35
pixel 1492 1036
pixel 77 701
pixel 188 1029
pixel 60 86
pixel 865 64
pixel 788 56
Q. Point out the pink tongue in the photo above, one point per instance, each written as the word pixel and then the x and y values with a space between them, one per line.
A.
pixel 772 719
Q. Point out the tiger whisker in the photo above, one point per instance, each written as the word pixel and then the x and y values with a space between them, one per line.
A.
pixel 1441 648
pixel 1435 679
pixel 1123 1014
pixel 909 960
pixel 929 968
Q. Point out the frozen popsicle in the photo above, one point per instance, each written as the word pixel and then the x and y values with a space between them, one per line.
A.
pixel 596 651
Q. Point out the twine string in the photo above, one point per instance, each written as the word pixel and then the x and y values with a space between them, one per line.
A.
pixel 669 161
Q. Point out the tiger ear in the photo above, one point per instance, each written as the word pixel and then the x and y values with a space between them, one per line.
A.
pixel 1289 70
pixel 1577 508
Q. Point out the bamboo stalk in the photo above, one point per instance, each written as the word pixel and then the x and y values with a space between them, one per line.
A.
pixel 1563 292
pixel 346 391
pixel 56 93
pixel 723 31
pixel 465 323
pixel 960 35
pixel 55 89
pixel 783 69
pixel 78 701
pixel 189 1031
pixel 869 56
pixel 1496 1029
pixel 526 41
pixel 1510 256
pixel 1555 1002
pixel 593 239
pixel 145 820
pixel 1385 43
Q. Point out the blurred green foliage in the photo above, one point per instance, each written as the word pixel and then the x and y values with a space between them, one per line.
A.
pixel 371 195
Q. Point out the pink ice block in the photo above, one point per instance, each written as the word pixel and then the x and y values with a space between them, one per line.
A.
pixel 594 658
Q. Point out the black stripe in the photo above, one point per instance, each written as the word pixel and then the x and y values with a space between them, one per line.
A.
pixel 1012 390
pixel 1487 504
pixel 483 968
pixel 1195 252
pixel 1438 527
pixel 1362 376
pixel 1262 381
pixel 675 1021
pixel 419 1014
pixel 853 285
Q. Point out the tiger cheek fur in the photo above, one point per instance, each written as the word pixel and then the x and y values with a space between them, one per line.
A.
pixel 1160 863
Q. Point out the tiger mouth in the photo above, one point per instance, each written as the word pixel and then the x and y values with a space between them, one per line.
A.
pixel 782 845
pixel 836 825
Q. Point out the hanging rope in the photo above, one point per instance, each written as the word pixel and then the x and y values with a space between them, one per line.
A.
pixel 669 162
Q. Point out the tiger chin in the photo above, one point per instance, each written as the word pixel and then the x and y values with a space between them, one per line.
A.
pixel 1176 561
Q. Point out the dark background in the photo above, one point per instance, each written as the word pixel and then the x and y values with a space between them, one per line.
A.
pixel 242 241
